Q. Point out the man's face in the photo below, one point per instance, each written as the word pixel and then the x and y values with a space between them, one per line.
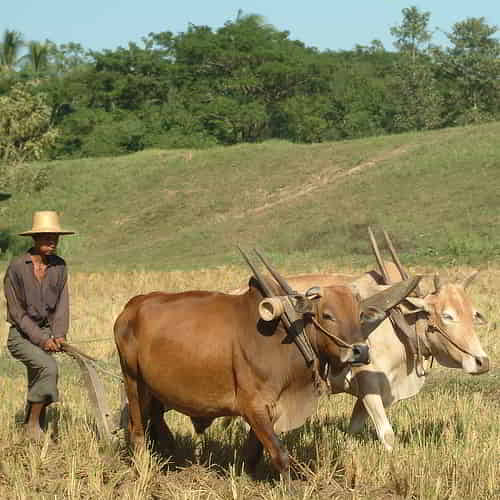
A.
pixel 46 243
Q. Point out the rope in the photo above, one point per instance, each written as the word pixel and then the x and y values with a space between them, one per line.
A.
pixel 88 341
pixel 433 324
pixel 331 336
pixel 74 352
pixel 106 372
pixel 91 361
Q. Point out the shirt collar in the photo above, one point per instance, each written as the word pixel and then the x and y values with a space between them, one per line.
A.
pixel 27 257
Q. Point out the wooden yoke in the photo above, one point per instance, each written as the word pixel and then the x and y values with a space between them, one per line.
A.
pixel 395 315
pixel 397 318
pixel 293 322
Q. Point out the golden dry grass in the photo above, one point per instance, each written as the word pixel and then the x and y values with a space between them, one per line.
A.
pixel 448 436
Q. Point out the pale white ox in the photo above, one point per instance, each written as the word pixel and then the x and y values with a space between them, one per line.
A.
pixel 446 320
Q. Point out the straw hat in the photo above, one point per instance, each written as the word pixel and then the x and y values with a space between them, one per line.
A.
pixel 45 222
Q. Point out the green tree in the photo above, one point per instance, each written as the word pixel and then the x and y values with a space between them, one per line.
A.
pixel 306 118
pixel 418 102
pixel 37 57
pixel 413 31
pixel 231 121
pixel 470 70
pixel 9 49
pixel 25 129
pixel 417 99
pixel 67 57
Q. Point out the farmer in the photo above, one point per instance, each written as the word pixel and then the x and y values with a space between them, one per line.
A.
pixel 36 290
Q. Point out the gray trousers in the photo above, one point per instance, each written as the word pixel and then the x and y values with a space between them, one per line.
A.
pixel 41 368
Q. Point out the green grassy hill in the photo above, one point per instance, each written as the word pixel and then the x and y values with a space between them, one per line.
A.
pixel 437 193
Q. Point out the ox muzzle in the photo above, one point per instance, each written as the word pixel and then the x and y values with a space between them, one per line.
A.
pixel 360 355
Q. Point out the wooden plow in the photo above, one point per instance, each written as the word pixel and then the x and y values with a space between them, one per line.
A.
pixel 107 424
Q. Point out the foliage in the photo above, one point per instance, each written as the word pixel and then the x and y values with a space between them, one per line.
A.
pixel 412 32
pixel 9 49
pixel 37 58
pixel 66 57
pixel 471 69
pixel 306 118
pixel 248 81
pixel 25 129
pixel 418 100
pixel 12 245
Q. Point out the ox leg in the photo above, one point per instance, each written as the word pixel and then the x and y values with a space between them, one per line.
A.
pixel 252 452
pixel 138 412
pixel 358 417
pixel 160 433
pixel 374 406
pixel 200 424
pixel 262 426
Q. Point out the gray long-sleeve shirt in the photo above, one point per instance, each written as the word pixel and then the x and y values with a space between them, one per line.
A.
pixel 31 303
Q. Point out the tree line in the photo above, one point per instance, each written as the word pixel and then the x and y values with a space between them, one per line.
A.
pixel 244 82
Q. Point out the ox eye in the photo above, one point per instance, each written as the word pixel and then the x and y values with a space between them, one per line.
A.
pixel 479 318
pixel 329 316
pixel 447 316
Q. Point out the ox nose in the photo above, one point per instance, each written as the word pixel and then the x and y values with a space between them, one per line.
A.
pixel 360 355
pixel 482 363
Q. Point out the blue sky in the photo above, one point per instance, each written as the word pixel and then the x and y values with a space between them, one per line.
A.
pixel 326 24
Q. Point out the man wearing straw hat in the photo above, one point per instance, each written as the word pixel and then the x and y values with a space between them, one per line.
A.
pixel 36 290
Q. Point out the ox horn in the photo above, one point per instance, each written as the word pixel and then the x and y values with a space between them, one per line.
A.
pixel 437 283
pixel 271 308
pixel 277 276
pixel 394 255
pixel 258 277
pixel 395 258
pixel 391 297
pixel 378 258
pixel 467 281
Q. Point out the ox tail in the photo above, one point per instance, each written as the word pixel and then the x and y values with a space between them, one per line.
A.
pixel 125 341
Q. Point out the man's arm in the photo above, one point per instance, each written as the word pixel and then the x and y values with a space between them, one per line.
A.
pixel 17 311
pixel 60 320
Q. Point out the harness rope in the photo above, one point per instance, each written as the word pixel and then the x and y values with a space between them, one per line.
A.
pixel 89 341
pixel 432 325
pixel 331 336
pixel 455 344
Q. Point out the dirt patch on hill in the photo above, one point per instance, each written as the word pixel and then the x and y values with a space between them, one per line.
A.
pixel 327 176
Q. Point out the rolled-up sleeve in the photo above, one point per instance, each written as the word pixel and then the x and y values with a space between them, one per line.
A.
pixel 17 310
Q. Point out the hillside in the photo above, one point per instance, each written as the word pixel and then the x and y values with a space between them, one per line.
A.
pixel 437 193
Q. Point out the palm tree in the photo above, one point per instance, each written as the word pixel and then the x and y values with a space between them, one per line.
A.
pixel 9 49
pixel 37 56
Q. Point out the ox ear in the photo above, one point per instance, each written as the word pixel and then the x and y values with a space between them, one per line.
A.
pixel 314 293
pixel 370 318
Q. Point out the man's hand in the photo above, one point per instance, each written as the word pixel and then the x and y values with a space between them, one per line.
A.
pixel 59 341
pixel 50 345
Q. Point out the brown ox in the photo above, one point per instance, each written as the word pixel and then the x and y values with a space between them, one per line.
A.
pixel 209 354
pixel 441 325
